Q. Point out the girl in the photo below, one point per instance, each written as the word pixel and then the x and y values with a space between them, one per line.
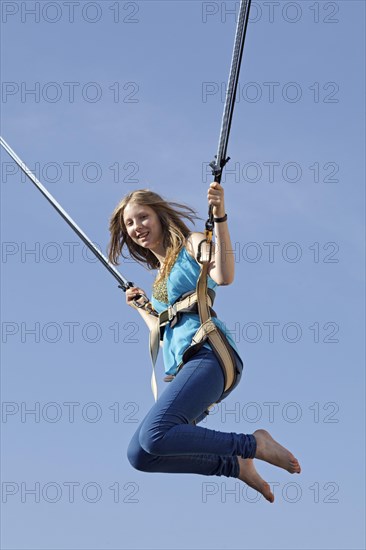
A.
pixel 168 439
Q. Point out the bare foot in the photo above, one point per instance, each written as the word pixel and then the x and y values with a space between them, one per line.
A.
pixel 250 476
pixel 269 450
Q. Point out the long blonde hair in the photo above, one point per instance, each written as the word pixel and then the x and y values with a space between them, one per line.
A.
pixel 175 231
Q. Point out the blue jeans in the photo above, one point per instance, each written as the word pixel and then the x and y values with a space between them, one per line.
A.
pixel 168 439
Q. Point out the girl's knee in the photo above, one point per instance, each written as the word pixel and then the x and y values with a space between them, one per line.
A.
pixel 150 441
pixel 137 457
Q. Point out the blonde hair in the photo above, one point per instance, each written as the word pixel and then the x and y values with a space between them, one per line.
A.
pixel 175 231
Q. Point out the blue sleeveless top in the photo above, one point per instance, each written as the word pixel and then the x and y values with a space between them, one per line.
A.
pixel 183 278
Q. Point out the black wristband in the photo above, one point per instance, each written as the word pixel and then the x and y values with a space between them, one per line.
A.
pixel 219 220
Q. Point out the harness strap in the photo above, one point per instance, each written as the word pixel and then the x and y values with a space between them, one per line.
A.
pixel 214 335
pixel 186 304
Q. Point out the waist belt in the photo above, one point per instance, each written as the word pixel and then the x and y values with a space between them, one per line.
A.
pixel 199 301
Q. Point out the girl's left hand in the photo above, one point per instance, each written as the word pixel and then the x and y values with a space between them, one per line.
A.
pixel 215 196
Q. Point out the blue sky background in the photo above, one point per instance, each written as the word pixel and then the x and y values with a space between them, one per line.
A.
pixel 161 132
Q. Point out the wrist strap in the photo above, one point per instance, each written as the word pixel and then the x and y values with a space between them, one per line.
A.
pixel 220 220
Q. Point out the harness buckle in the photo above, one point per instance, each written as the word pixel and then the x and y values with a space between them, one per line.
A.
pixel 172 312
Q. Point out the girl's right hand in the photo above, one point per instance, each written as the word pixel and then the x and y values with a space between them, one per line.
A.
pixel 131 294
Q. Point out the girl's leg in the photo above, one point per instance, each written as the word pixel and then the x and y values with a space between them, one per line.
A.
pixel 167 432
pixel 207 465
pixel 167 428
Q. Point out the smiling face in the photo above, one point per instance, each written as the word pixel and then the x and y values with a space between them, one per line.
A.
pixel 143 226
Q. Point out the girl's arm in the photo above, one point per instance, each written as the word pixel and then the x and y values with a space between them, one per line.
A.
pixel 222 266
pixel 150 320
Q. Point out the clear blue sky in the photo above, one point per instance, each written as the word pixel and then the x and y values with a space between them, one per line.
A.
pixel 127 95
